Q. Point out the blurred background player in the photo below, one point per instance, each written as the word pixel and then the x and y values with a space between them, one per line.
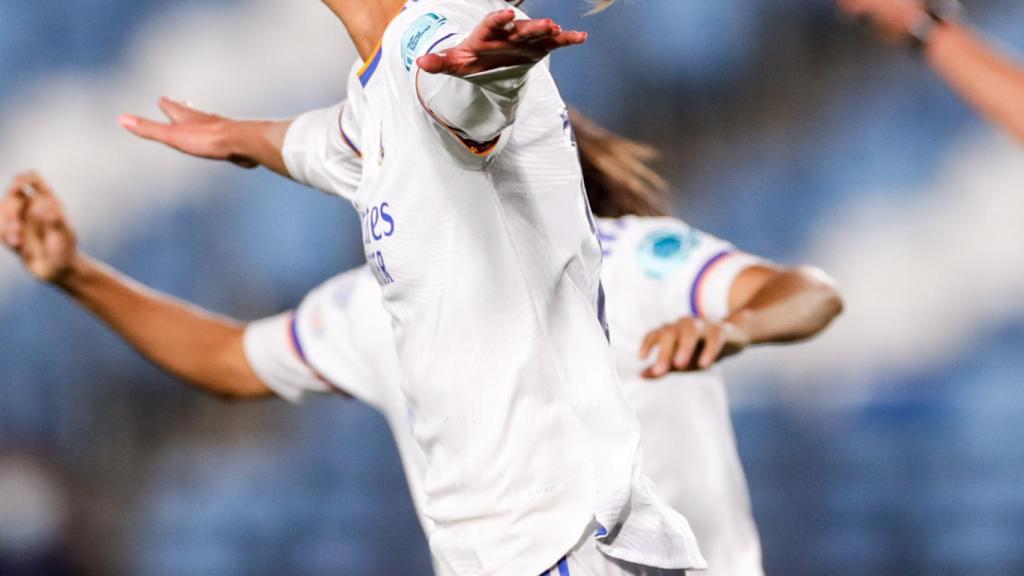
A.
pixel 715 299
pixel 977 70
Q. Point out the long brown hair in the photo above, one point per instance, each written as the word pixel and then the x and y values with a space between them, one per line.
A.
pixel 617 172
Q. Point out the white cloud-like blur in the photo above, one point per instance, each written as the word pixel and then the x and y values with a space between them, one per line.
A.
pixel 257 58
pixel 923 275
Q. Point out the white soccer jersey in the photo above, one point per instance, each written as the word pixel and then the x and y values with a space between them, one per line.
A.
pixel 476 226
pixel 656 269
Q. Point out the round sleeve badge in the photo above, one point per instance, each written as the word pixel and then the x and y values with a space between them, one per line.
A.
pixel 664 251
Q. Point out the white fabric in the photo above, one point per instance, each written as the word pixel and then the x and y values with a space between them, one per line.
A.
pixel 586 559
pixel 490 273
pixel 321 149
pixel 652 269
pixel 689 447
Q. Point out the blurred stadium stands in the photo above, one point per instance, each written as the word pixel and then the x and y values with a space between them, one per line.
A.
pixel 893 446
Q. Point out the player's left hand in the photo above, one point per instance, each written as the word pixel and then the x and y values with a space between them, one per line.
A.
pixel 500 41
pixel 691 344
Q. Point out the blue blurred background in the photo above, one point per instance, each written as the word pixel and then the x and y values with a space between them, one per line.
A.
pixel 891 446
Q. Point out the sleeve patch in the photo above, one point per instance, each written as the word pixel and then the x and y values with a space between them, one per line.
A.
pixel 419 35
pixel 664 251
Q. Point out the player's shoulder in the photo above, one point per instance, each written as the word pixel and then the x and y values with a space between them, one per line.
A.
pixel 654 233
pixel 653 246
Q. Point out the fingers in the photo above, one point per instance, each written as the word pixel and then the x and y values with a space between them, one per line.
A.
pixel 47 212
pixel 12 217
pixel 690 332
pixel 178 112
pixel 499 22
pixel 526 30
pixel 144 128
pixel 435 64
pixel 714 342
pixel 666 345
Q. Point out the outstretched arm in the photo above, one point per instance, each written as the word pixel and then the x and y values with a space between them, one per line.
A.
pixel 247 143
pixel 987 79
pixel 203 349
pixel 767 305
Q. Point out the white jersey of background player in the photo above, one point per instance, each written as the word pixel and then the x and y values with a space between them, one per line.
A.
pixel 656 270
pixel 477 228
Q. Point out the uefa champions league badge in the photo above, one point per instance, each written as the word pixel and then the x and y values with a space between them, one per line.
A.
pixel 419 33
pixel 664 251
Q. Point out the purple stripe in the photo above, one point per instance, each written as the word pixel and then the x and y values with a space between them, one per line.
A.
pixel 293 329
pixel 695 289
pixel 442 39
pixel 344 136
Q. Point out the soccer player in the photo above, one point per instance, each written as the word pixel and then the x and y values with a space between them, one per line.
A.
pixel 459 158
pixel 338 339
pixel 983 76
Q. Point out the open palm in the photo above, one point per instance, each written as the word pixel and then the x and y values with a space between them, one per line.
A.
pixel 500 41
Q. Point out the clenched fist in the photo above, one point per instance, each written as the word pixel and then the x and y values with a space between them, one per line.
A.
pixel 33 226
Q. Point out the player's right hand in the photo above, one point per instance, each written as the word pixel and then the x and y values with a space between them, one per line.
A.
pixel 500 41
pixel 33 226
pixel 691 344
pixel 188 130
pixel 892 20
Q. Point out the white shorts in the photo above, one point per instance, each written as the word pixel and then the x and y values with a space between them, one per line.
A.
pixel 587 560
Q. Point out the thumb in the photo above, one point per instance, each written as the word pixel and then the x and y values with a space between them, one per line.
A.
pixel 434 63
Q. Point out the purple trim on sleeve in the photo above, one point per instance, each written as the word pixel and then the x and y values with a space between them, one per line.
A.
pixel 699 280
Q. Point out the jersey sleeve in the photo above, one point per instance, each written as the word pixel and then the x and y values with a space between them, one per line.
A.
pixel 272 353
pixel 475 109
pixel 698 268
pixel 321 150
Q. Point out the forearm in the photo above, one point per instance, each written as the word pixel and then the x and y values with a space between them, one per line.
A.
pixel 989 81
pixel 200 348
pixel 795 304
pixel 259 142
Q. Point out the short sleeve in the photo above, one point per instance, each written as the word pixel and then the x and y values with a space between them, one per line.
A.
pixel 271 351
pixel 696 269
pixel 321 150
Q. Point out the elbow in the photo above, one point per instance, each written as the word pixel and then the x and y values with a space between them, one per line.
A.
pixel 825 303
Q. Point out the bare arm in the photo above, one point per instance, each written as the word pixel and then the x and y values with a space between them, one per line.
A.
pixel 192 344
pixel 988 80
pixel 767 305
pixel 203 349
pixel 787 305
pixel 247 143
